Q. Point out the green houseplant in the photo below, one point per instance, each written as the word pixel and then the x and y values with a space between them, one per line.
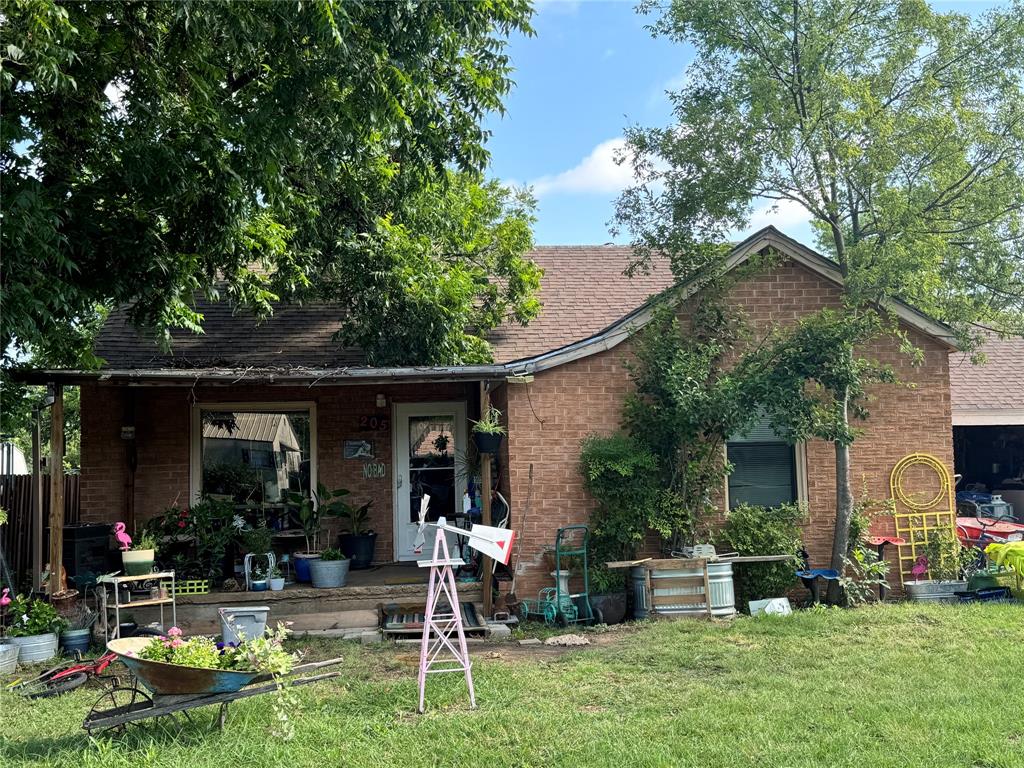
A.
pixel 359 540
pixel 944 563
pixel 308 513
pixel 330 569
pixel 139 559
pixel 35 626
pixel 276 579
pixel 488 431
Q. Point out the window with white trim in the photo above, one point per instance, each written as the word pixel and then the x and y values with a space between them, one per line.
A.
pixel 254 453
pixel 765 468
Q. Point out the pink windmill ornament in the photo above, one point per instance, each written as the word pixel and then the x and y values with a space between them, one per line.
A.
pixel 122 538
pixel 443 647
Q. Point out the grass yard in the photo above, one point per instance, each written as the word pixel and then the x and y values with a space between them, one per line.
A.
pixel 901 685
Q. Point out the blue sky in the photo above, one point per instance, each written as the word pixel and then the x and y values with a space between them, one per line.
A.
pixel 591 70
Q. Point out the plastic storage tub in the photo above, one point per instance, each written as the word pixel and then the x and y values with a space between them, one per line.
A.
pixel 243 622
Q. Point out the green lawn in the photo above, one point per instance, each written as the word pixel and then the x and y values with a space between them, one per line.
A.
pixel 898 685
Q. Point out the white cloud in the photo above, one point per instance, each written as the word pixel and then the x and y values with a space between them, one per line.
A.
pixel 786 215
pixel 566 7
pixel 596 173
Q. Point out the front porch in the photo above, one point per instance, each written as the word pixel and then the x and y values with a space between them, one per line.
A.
pixel 341 612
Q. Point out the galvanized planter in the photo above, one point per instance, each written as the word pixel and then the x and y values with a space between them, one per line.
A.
pixel 8 657
pixel 934 591
pixel 329 573
pixel 35 647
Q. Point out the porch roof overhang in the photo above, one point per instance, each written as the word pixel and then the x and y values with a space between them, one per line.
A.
pixel 310 377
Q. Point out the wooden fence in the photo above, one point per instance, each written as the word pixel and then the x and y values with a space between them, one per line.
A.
pixel 16 536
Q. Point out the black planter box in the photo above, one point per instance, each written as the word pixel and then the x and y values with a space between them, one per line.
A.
pixel 359 549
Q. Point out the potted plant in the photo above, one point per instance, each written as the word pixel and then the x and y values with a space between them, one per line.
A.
pixel 488 431
pixel 258 578
pixel 940 570
pixel 78 633
pixel 276 579
pixel 607 594
pixel 309 520
pixel 359 541
pixel 138 559
pixel 34 627
pixel 330 569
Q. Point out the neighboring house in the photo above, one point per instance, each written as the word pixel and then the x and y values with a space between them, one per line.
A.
pixel 556 381
pixel 12 460
pixel 988 419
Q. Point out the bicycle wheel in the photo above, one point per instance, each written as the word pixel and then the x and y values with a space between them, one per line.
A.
pixel 46 688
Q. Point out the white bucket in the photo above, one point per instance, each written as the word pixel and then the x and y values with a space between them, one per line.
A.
pixel 243 622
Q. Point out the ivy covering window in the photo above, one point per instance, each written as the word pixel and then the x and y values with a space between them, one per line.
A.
pixel 764 468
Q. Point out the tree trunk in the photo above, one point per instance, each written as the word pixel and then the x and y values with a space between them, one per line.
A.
pixel 844 513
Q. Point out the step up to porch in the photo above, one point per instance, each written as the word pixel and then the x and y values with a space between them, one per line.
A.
pixel 343 611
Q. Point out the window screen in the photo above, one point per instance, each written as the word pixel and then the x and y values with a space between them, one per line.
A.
pixel 764 468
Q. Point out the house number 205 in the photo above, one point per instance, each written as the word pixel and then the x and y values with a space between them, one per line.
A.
pixel 375 470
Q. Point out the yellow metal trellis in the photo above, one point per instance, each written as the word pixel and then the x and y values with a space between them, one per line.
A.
pixel 920 518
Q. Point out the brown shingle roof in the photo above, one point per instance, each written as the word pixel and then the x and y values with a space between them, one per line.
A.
pixel 980 392
pixel 582 292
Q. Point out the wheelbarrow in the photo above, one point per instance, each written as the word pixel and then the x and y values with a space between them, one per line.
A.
pixel 163 690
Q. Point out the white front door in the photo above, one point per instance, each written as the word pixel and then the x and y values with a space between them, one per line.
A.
pixel 428 439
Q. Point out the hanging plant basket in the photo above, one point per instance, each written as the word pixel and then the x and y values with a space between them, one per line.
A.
pixel 487 442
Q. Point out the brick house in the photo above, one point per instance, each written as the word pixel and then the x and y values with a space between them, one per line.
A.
pixel 388 434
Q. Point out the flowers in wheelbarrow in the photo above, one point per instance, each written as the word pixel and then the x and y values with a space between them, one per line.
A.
pixel 258 654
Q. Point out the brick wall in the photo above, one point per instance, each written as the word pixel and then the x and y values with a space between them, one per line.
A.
pixel 549 418
pixel 163 425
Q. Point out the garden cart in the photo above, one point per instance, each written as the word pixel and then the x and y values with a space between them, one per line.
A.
pixel 163 690
pixel 558 605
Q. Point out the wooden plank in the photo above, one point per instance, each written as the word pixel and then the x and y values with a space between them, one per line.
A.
pixel 56 488
pixel 674 564
pixel 663 600
pixel 485 512
pixel 756 559
pixel 626 563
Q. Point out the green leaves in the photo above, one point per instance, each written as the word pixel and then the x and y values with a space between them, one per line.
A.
pixel 251 151
pixel 899 129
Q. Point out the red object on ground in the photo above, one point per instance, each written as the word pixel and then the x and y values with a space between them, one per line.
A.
pixel 973 530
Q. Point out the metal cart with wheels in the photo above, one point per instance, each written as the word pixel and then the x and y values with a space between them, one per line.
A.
pixel 559 604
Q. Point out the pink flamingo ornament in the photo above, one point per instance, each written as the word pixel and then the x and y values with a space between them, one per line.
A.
pixel 5 598
pixel 122 538
pixel 920 567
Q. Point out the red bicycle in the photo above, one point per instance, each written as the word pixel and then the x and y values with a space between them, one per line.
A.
pixel 62 678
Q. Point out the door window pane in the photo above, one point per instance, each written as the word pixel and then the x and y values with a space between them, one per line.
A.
pixel 255 456
pixel 432 465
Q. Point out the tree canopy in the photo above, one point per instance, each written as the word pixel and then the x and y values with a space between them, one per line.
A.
pixel 256 152
pixel 899 129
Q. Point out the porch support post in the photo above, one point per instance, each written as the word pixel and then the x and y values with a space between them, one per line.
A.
pixel 38 529
pixel 56 488
pixel 485 511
